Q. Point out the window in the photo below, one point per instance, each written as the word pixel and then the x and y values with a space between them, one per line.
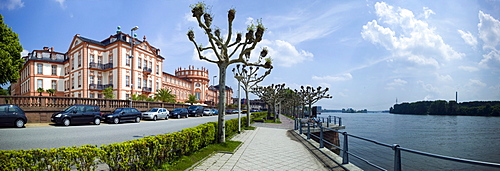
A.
pixel 91 79
pixel 127 96
pixel 99 59
pixel 197 96
pixel 110 79
pixel 54 70
pixel 79 81
pixel 127 61
pixel 157 69
pixel 79 60
pixel 145 83
pixel 145 63
pixel 139 83
pixel 157 87
pixel 127 82
pixel 54 84
pixel 39 83
pixel 139 60
pixel 150 65
pixel 150 84
pixel 91 58
pixel 99 80
pixel 39 68
pixel 110 58
pixel 92 95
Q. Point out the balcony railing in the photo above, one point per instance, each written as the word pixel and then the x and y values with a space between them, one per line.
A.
pixel 99 86
pixel 146 69
pixel 146 89
pixel 101 66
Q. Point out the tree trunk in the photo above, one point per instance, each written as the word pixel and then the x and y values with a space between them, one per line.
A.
pixel 248 106
pixel 221 125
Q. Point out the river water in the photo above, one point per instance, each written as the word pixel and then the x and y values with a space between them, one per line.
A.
pixel 469 137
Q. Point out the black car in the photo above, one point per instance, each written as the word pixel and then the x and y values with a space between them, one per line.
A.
pixel 123 114
pixel 179 113
pixel 78 114
pixel 12 115
pixel 195 110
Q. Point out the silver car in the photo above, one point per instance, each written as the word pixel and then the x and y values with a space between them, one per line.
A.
pixel 156 113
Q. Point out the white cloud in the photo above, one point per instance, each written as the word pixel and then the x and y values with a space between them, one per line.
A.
pixel 189 17
pixel 342 77
pixel 489 33
pixel 445 78
pixel 475 83
pixel 397 82
pixel 428 12
pixel 468 38
pixel 468 68
pixel 61 3
pixel 428 87
pixel 408 37
pixel 24 53
pixel 11 4
pixel 284 53
pixel 249 21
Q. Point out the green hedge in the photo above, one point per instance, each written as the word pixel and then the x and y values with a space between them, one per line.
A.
pixel 139 154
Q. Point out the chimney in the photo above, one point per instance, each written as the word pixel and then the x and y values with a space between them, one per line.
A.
pixel 45 48
pixel 52 49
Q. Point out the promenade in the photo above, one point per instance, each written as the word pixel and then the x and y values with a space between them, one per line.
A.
pixel 268 147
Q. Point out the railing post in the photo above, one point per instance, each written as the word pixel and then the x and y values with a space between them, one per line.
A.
pixel 328 120
pixel 335 120
pixel 345 155
pixel 300 126
pixel 295 124
pixel 397 157
pixel 308 131
pixel 321 145
pixel 340 121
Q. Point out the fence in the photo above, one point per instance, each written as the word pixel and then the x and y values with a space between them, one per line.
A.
pixel 300 124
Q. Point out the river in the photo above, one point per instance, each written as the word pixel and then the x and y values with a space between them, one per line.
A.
pixel 469 137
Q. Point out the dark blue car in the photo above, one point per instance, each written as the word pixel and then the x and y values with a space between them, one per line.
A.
pixel 123 114
pixel 12 115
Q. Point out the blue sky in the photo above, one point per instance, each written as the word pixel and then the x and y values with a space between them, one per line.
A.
pixel 367 52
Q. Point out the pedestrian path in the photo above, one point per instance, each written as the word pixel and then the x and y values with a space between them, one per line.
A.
pixel 265 149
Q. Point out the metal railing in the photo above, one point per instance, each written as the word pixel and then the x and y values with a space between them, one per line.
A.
pixel 299 124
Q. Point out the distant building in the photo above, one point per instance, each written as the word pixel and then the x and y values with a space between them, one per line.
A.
pixel 90 66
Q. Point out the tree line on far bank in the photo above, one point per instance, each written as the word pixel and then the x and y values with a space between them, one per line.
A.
pixel 442 107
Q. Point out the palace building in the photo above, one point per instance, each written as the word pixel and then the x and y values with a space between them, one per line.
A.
pixel 129 65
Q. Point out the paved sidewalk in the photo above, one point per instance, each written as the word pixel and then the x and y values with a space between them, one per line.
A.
pixel 265 149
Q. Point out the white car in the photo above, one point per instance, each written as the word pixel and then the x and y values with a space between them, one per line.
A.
pixel 207 112
pixel 156 113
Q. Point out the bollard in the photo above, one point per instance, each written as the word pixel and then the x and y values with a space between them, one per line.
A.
pixel 321 145
pixel 345 155
pixel 308 131
pixel 300 126
pixel 397 157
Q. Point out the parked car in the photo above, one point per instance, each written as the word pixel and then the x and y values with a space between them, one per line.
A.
pixel 123 114
pixel 215 111
pixel 156 113
pixel 179 112
pixel 195 111
pixel 208 112
pixel 78 114
pixel 12 115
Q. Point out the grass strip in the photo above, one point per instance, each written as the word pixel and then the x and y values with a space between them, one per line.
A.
pixel 187 161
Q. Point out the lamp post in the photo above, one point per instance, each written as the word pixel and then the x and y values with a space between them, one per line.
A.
pixel 239 78
pixel 132 42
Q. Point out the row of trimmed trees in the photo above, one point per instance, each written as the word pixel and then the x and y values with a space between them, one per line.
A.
pixel 225 46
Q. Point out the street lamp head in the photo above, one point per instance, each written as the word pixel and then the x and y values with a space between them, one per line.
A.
pixel 135 28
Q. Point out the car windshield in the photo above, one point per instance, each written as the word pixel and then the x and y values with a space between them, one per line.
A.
pixel 193 107
pixel 153 110
pixel 118 110
pixel 69 109
pixel 177 109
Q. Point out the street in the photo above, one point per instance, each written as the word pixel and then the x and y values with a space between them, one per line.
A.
pixel 76 135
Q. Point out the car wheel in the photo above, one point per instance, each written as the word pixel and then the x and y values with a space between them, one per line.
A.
pixel 116 120
pixel 166 117
pixel 66 122
pixel 20 123
pixel 97 121
pixel 138 119
pixel 154 118
pixel 187 116
pixel 178 116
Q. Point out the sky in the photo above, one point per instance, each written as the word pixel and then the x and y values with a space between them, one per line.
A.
pixel 368 53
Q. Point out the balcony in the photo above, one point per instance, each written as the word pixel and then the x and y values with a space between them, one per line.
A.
pixel 101 66
pixel 99 86
pixel 146 89
pixel 147 70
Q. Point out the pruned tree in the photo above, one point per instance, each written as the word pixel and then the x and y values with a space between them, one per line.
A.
pixel 51 92
pixel 40 90
pixel 224 49
pixel 10 54
pixel 311 95
pixel 271 95
pixel 108 93
pixel 191 99
pixel 249 79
